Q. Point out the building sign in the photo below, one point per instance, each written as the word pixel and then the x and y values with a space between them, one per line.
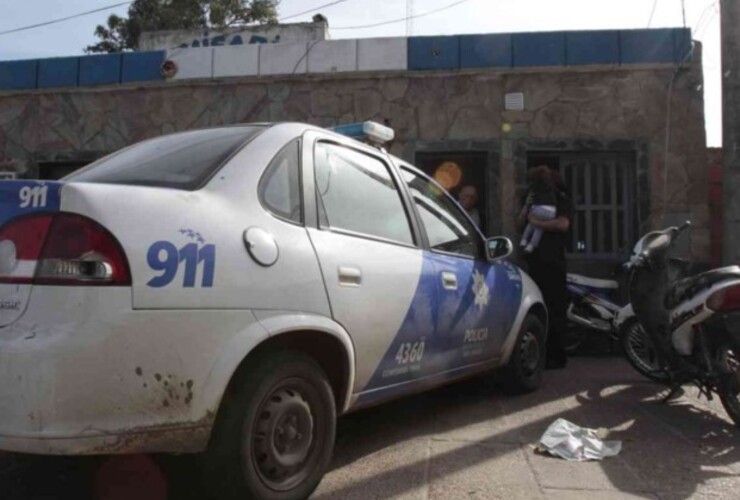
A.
pixel 297 32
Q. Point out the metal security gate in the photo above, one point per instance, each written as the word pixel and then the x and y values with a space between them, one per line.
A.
pixel 602 187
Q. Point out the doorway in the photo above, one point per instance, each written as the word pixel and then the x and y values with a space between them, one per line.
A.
pixel 459 171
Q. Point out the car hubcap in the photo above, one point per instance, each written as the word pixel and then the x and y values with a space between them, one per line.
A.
pixel 529 354
pixel 282 438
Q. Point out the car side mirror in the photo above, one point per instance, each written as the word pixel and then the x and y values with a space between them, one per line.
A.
pixel 498 248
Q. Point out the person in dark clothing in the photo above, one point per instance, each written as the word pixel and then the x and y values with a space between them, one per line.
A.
pixel 546 265
pixel 543 206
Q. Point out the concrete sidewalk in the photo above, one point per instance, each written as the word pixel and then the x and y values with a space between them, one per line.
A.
pixel 469 440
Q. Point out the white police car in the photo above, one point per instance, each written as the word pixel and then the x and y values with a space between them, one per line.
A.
pixel 234 290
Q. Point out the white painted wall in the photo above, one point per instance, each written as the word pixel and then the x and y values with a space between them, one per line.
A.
pixel 329 56
pixel 283 58
pixel 332 56
pixel 237 60
pixel 379 54
pixel 192 63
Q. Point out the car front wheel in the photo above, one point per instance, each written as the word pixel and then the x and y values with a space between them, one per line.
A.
pixel 523 373
pixel 275 434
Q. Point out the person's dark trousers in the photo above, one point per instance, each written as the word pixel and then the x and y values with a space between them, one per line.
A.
pixel 551 278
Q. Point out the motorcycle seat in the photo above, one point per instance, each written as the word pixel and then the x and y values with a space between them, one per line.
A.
pixel 579 279
pixel 685 288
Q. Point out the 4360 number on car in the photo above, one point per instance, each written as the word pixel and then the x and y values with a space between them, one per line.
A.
pixel 410 352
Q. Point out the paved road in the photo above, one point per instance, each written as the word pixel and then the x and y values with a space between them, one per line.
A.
pixel 470 441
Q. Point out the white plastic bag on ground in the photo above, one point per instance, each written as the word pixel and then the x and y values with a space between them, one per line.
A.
pixel 569 441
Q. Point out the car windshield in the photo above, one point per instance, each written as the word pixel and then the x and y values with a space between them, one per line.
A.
pixel 181 161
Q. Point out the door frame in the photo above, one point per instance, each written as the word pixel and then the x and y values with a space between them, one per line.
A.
pixel 491 175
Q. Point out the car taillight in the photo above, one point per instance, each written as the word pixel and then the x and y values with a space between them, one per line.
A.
pixel 61 249
pixel 725 299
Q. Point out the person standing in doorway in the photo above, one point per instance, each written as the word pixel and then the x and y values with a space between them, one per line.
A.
pixel 468 198
pixel 546 264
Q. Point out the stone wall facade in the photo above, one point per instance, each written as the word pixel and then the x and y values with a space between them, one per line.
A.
pixel 655 111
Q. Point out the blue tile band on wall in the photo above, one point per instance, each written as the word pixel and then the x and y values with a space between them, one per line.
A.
pixel 682 46
pixel 100 69
pixel 539 49
pixel 18 75
pixel 141 66
pixel 592 47
pixel 58 72
pixel 499 50
pixel 434 52
pixel 647 46
pixel 485 51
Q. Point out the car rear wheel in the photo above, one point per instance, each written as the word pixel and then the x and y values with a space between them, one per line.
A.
pixel 523 373
pixel 275 434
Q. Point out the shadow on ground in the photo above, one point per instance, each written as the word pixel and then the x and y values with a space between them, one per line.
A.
pixel 468 439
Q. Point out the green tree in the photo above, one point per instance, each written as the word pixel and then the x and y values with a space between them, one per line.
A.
pixel 122 33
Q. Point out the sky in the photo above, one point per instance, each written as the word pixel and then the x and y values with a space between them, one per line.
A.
pixel 469 16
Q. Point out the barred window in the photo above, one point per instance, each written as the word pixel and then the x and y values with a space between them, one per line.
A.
pixel 602 188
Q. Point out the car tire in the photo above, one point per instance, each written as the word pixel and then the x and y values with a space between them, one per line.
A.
pixel 523 373
pixel 274 435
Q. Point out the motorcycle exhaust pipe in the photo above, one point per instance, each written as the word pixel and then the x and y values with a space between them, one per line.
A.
pixel 588 323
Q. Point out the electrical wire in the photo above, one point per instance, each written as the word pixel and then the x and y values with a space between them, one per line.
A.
pixel 62 19
pixel 402 19
pixel 652 13
pixel 120 4
pixel 705 21
pixel 312 10
pixel 176 50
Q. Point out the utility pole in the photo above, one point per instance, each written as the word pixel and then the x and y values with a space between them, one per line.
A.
pixel 409 17
pixel 730 25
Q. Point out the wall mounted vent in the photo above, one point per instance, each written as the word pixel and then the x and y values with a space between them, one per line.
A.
pixel 514 101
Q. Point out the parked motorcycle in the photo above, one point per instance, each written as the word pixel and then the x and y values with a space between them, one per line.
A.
pixel 593 306
pixel 599 307
pixel 693 323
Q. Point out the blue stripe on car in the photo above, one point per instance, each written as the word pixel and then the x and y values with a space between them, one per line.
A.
pixel 443 329
pixel 19 197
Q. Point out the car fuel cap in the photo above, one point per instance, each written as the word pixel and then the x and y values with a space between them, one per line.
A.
pixel 262 246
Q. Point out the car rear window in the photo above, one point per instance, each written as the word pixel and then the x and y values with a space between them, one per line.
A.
pixel 181 161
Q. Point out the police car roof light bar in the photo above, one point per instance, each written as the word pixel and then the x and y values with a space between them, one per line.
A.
pixel 372 131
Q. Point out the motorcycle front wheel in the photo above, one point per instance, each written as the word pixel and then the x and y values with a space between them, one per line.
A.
pixel 639 351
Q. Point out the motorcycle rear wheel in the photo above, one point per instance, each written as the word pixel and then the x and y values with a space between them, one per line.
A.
pixel 729 386
pixel 640 353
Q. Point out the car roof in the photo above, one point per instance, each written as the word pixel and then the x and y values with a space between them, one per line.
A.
pixel 307 126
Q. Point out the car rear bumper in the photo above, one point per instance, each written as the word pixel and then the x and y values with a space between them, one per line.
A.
pixel 83 373
pixel 154 440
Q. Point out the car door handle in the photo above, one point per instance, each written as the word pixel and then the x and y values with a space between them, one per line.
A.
pixel 350 276
pixel 449 280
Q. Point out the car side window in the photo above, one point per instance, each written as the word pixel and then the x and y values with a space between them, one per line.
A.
pixel 446 226
pixel 355 192
pixel 280 187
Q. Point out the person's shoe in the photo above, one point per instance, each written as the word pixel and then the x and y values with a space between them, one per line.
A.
pixel 529 248
pixel 556 363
